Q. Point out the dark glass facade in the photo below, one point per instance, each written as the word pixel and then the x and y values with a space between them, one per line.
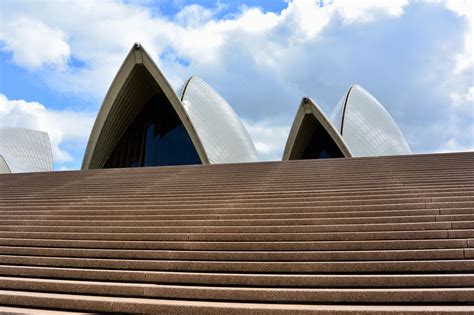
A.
pixel 156 137
pixel 316 143
pixel 321 146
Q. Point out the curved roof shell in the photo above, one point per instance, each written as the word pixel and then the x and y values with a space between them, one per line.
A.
pixel 222 134
pixel 204 116
pixel 300 131
pixel 366 127
pixel 24 150
pixel 137 80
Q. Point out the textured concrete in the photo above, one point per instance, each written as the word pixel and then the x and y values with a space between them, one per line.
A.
pixel 365 235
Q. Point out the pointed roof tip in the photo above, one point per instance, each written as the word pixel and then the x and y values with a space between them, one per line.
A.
pixel 195 78
pixel 182 91
pixel 137 46
pixel 191 78
pixel 309 107
pixel 352 87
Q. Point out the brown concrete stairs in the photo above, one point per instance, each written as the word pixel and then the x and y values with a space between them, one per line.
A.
pixel 362 235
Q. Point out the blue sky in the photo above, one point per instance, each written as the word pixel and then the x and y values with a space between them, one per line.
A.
pixel 58 58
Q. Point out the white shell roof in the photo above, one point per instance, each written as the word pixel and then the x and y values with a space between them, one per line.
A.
pixel 222 134
pixel 25 150
pixel 366 127
pixel 214 128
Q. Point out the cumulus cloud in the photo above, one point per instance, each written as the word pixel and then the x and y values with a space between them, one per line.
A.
pixel 194 15
pixel 465 9
pixel 39 36
pixel 269 138
pixel 65 128
pixel 414 56
pixel 368 10
pixel 33 43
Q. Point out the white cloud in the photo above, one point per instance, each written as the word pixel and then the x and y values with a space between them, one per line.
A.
pixel 367 10
pixel 470 94
pixel 63 127
pixel 100 35
pixel 452 145
pixel 193 16
pixel 464 99
pixel 269 139
pixel 33 43
pixel 465 8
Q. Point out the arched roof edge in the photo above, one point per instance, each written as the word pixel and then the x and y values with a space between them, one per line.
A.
pixel 309 106
pixel 138 56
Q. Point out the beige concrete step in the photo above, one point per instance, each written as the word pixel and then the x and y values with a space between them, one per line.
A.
pixel 428 254
pixel 220 293
pixel 244 222
pixel 244 279
pixel 79 207
pixel 464 265
pixel 247 237
pixel 155 306
pixel 314 197
pixel 37 311
pixel 248 246
pixel 246 229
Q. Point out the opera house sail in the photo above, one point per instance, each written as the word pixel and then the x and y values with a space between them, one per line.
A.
pixel 366 127
pixel 24 150
pixel 361 127
pixel 312 135
pixel 222 134
pixel 143 122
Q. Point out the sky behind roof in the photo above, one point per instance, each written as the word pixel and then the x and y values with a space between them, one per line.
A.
pixel 58 58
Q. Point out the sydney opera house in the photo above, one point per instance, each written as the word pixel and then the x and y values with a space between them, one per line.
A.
pixel 350 222
pixel 144 122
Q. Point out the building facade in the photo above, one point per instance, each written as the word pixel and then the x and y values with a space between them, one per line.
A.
pixel 360 126
pixel 143 122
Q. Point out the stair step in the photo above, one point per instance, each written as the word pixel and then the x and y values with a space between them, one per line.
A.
pixel 246 222
pixel 248 266
pixel 239 255
pixel 246 229
pixel 245 279
pixel 247 237
pixel 140 305
pixel 219 293
pixel 249 246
